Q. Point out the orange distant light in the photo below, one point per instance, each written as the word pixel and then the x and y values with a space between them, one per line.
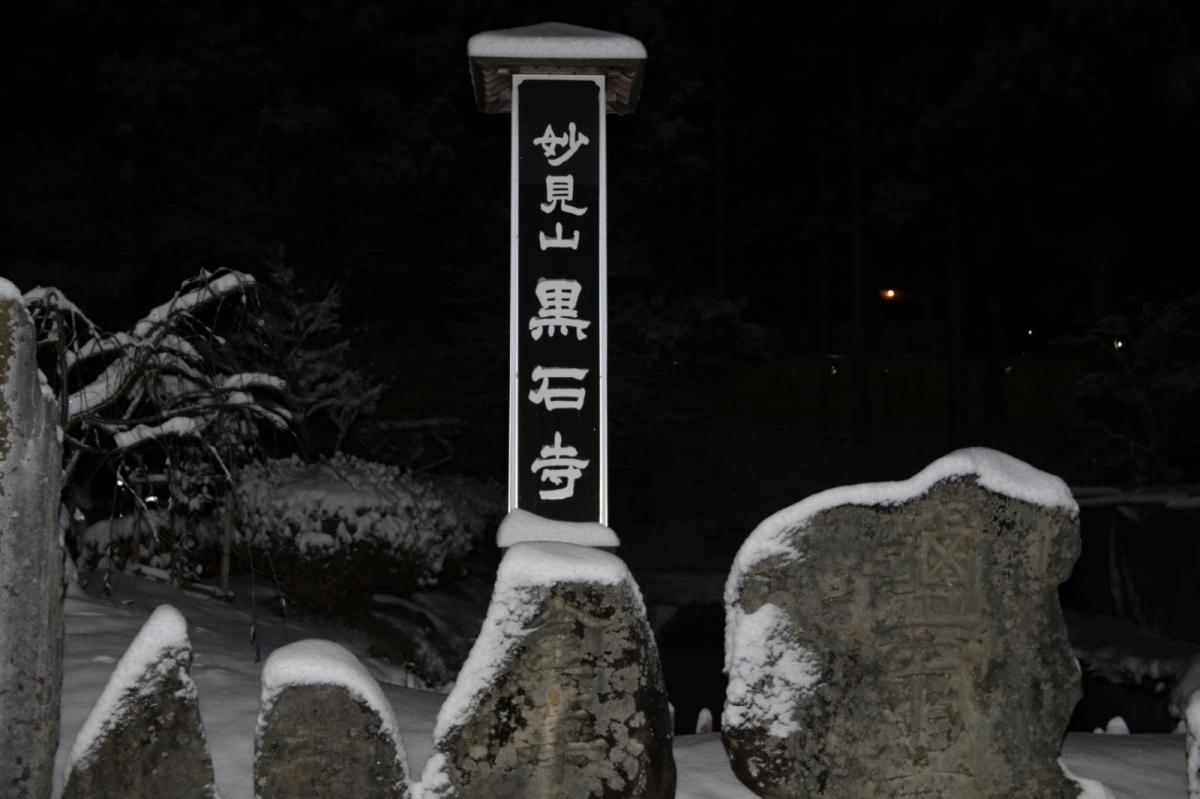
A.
pixel 889 294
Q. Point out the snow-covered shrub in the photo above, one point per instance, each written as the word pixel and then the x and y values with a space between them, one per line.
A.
pixel 158 540
pixel 338 530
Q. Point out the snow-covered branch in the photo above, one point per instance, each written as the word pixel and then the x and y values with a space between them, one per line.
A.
pixel 177 425
pixel 164 380
pixel 210 288
pixel 1182 497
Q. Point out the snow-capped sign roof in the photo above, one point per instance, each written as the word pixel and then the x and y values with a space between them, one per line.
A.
pixel 555 48
pixel 521 526
pixel 995 471
pixel 552 41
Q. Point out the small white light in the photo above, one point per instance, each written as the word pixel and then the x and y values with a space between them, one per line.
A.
pixel 1007 370
pixel 152 498
pixel 120 482
pixel 1118 344
pixel 832 369
pixel 1029 332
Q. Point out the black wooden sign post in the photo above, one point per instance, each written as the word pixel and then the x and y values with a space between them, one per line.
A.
pixel 557 405
pixel 558 81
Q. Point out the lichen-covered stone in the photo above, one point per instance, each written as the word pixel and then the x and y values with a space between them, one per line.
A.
pixel 145 739
pixel 31 562
pixel 320 740
pixel 573 706
pixel 905 649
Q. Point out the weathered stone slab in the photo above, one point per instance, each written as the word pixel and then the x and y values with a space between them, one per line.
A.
pixel 562 696
pixel 905 639
pixel 144 738
pixel 1191 717
pixel 31 561
pixel 325 729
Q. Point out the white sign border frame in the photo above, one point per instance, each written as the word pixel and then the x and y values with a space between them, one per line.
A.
pixel 514 390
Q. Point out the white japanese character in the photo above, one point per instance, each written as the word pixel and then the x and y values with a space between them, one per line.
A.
pixel 560 190
pixel 550 143
pixel 558 242
pixel 556 312
pixel 559 466
pixel 556 398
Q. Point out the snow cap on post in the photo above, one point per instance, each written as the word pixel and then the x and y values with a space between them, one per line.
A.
pixel 555 48
pixel 521 526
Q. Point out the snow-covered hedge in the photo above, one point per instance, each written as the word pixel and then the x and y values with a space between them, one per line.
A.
pixel 160 538
pixel 342 528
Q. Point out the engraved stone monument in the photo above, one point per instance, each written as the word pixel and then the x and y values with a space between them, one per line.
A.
pixel 325 728
pixel 562 695
pixel 31 561
pixel 905 639
pixel 144 738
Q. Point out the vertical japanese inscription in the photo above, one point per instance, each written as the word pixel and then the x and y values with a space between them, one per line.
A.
pixel 565 734
pixel 929 580
pixel 557 458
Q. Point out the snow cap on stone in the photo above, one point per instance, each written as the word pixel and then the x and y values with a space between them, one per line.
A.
pixel 525 566
pixel 521 526
pixel 319 662
pixel 993 470
pixel 8 291
pixel 553 41
pixel 165 631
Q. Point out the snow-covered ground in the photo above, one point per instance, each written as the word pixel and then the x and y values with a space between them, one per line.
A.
pixel 228 680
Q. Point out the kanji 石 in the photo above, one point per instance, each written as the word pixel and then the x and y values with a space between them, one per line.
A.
pixel 558 397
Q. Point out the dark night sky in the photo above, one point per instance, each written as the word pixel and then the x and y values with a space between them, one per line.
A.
pixel 1008 166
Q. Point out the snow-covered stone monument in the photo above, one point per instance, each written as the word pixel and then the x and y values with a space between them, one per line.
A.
pixel 562 695
pixel 31 560
pixel 144 737
pixel 325 728
pixel 905 639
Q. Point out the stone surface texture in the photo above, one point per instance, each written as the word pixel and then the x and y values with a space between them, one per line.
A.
pixel 577 708
pixel 320 740
pixel 153 744
pixel 31 563
pixel 925 648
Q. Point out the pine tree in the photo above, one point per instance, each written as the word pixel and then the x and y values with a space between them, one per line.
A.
pixel 299 336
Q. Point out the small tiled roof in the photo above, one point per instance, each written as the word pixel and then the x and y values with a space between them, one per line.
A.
pixel 555 48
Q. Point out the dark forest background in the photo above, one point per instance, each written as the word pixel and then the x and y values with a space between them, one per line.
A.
pixel 1018 171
